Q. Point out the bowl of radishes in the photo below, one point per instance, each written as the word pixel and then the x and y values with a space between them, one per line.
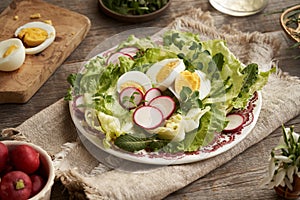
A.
pixel 26 171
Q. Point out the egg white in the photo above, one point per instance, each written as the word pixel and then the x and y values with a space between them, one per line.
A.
pixel 134 76
pixel 47 27
pixel 15 59
pixel 155 69
pixel 205 84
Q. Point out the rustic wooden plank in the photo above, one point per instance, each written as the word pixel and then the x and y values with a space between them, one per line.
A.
pixel 71 28
pixel 240 177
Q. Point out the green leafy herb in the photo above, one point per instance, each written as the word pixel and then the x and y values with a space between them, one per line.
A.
pixel 132 143
pixel 189 100
pixel 219 60
pixel 71 79
pixel 130 99
pixel 134 7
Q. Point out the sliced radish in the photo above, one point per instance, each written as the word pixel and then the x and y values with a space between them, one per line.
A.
pixel 78 106
pixel 78 103
pixel 129 50
pixel 148 117
pixel 130 97
pixel 151 94
pixel 235 123
pixel 165 104
pixel 114 58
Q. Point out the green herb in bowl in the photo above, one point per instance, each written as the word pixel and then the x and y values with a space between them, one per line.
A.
pixel 135 7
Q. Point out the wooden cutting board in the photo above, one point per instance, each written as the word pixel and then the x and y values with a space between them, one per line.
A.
pixel 71 28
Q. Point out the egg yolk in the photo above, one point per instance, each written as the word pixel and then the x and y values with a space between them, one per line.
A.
pixel 9 50
pixel 33 36
pixel 132 84
pixel 187 79
pixel 166 70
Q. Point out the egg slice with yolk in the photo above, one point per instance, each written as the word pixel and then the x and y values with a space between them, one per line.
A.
pixel 187 79
pixel 163 73
pixel 135 79
pixel 36 36
pixel 196 80
pixel 12 54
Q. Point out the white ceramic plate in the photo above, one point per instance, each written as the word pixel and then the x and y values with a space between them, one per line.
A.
pixel 221 143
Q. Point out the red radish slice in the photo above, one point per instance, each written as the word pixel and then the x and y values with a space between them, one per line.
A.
pixel 129 50
pixel 114 58
pixel 148 117
pixel 151 94
pixel 130 97
pixel 78 103
pixel 165 104
pixel 235 123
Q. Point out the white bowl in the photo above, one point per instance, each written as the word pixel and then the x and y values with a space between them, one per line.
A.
pixel 47 164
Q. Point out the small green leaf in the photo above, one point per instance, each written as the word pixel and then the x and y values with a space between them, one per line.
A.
pixel 133 143
pixel 130 143
pixel 219 60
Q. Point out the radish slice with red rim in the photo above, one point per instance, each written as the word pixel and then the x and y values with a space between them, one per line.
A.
pixel 148 117
pixel 130 97
pixel 129 50
pixel 151 94
pixel 165 104
pixel 235 123
pixel 78 103
pixel 114 58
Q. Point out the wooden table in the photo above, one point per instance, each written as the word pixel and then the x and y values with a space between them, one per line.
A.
pixel 239 178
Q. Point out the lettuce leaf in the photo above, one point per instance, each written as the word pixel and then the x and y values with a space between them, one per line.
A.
pixel 140 43
pixel 151 56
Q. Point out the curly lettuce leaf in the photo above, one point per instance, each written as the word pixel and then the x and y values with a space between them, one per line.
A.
pixel 151 56
pixel 240 81
pixel 140 43
pixel 253 81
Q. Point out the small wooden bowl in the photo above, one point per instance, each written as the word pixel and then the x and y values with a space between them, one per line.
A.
pixel 292 32
pixel 132 18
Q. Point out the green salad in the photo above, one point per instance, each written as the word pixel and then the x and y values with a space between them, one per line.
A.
pixel 135 7
pixel 185 119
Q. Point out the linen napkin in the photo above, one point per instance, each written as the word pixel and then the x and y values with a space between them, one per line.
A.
pixel 87 178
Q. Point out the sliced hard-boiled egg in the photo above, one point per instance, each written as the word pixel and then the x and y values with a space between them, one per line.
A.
pixel 135 79
pixel 196 80
pixel 163 73
pixel 36 36
pixel 187 79
pixel 12 54
pixel 205 85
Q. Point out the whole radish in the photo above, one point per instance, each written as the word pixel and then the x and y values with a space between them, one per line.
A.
pixel 37 184
pixel 25 158
pixel 15 185
pixel 3 156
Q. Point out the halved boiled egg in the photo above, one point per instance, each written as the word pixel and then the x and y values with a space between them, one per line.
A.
pixel 194 80
pixel 135 79
pixel 12 54
pixel 187 79
pixel 36 36
pixel 163 73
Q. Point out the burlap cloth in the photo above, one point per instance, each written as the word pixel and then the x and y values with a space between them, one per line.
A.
pixel 85 177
